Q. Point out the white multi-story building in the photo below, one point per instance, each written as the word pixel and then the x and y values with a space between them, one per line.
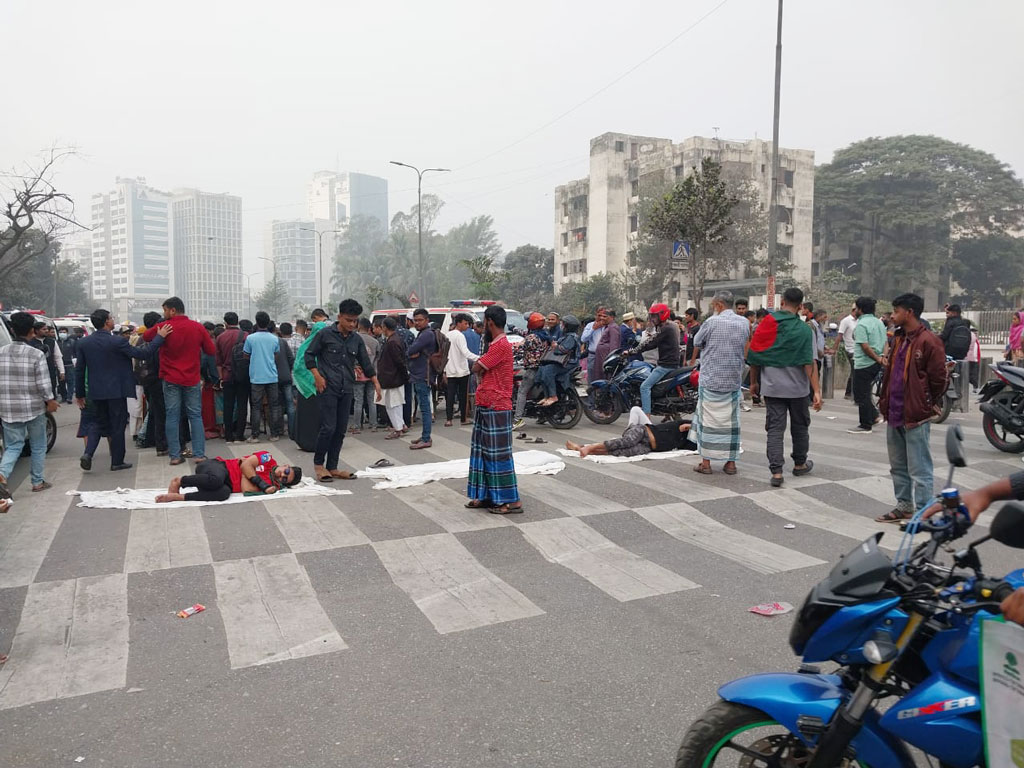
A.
pixel 597 218
pixel 291 247
pixel 208 253
pixel 132 249
pixel 332 199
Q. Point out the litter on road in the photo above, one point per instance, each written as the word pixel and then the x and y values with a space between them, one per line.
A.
pixel 191 611
pixel 771 609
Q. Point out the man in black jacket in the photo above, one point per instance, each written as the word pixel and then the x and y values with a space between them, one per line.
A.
pixel 956 343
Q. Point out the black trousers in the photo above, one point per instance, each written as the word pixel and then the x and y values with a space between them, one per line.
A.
pixel 111 419
pixel 849 380
pixel 335 409
pixel 863 378
pixel 458 386
pixel 407 408
pixel 156 427
pixel 798 411
pixel 236 406
pixel 211 479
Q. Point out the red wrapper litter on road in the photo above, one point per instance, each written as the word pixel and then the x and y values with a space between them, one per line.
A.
pixel 192 609
pixel 771 609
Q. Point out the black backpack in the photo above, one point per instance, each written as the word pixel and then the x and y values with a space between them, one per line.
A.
pixel 239 362
pixel 959 342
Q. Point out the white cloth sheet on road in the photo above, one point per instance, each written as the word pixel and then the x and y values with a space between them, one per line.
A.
pixel 624 459
pixel 143 498
pixel 527 463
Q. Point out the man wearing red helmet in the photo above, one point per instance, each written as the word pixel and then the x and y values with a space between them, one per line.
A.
pixel 666 339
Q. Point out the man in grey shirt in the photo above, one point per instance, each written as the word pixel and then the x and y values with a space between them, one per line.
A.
pixel 783 369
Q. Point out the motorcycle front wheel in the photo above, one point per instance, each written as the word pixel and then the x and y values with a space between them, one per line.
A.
pixel 732 735
pixel 606 407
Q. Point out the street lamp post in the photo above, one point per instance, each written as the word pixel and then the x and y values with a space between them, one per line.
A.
pixel 773 215
pixel 320 256
pixel 419 221
pixel 248 293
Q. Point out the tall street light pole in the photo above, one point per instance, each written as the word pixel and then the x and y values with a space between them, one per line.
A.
pixel 773 213
pixel 248 293
pixel 320 258
pixel 419 221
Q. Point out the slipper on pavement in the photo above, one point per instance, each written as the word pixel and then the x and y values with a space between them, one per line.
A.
pixel 381 464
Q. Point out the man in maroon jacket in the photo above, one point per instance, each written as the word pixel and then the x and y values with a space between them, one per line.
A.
pixel 913 383
pixel 179 370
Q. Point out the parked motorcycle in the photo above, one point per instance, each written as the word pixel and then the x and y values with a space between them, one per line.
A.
pixel 619 390
pixel 909 629
pixel 564 413
pixel 1002 405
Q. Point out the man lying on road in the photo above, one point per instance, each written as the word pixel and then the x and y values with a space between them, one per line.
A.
pixel 216 479
pixel 641 437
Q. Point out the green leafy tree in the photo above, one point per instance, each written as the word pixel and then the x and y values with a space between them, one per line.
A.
pixel 31 283
pixel 904 200
pixel 273 299
pixel 584 297
pixel 527 278
pixel 989 271
pixel 697 210
pixel 468 270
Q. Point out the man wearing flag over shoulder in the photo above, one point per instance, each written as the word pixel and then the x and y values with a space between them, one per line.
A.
pixel 782 370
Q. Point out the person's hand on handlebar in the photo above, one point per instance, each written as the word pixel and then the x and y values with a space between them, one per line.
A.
pixel 1013 607
pixel 975 501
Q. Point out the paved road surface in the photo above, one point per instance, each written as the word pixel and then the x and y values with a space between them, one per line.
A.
pixel 396 628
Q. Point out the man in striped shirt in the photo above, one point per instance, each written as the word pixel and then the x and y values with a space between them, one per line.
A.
pixel 26 395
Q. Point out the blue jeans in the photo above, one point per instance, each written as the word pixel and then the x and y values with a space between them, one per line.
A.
pixel 550 375
pixel 910 464
pixel 175 396
pixel 15 435
pixel 656 375
pixel 426 406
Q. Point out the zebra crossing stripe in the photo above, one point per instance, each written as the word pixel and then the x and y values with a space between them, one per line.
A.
pixel 802 509
pixel 28 529
pixel 166 538
pixel 446 507
pixel 72 640
pixel 450 586
pixel 271 612
pixel 360 455
pixel 570 542
pixel 152 471
pixel 309 525
pixel 566 498
pixel 683 522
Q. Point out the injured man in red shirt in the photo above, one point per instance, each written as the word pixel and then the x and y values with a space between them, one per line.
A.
pixel 216 479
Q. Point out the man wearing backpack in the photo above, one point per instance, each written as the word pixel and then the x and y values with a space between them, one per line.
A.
pixel 956 333
pixel 235 384
pixel 419 353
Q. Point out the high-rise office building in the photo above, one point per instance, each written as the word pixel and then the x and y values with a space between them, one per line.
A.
pixel 332 199
pixel 208 252
pixel 291 247
pixel 76 249
pixel 132 241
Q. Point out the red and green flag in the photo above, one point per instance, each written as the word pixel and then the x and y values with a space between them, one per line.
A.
pixel 780 340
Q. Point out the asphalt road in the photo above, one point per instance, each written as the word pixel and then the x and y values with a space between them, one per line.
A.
pixel 395 628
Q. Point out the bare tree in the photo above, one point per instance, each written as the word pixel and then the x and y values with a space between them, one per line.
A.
pixel 34 212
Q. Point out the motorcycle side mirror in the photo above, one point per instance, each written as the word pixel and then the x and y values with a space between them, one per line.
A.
pixel 955 446
pixel 1008 525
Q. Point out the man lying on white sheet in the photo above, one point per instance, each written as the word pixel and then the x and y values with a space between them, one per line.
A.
pixel 216 479
pixel 640 437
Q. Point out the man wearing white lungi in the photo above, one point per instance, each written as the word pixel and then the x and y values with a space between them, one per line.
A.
pixel 722 340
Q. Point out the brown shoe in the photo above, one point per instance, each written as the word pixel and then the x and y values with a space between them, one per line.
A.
pixel 41 487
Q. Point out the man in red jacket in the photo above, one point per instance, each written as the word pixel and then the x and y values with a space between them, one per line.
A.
pixel 179 370
pixel 913 383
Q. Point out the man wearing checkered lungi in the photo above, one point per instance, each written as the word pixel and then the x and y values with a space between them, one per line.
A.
pixel 492 473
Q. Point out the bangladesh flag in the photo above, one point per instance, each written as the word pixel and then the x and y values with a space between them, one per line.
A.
pixel 780 340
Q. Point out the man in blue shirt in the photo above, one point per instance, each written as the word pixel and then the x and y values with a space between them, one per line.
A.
pixel 419 353
pixel 260 348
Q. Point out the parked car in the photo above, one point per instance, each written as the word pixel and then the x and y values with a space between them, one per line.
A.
pixel 6 337
pixel 515 323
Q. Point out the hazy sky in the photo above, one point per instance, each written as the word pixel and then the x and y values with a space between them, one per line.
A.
pixel 252 97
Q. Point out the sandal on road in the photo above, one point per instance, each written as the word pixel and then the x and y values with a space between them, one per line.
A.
pixel 478 504
pixel 894 516
pixel 507 509
pixel 701 469
pixel 381 464
pixel 343 474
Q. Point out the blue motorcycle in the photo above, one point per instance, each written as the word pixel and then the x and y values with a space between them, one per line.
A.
pixel 908 630
pixel 619 390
